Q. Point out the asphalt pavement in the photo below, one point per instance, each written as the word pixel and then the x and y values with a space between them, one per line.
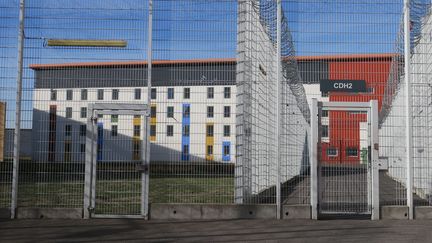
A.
pixel 126 230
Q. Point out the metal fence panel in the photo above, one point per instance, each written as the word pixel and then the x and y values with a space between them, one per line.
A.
pixel 229 103
pixel 75 54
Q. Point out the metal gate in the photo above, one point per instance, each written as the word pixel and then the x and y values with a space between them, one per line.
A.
pixel 345 140
pixel 116 161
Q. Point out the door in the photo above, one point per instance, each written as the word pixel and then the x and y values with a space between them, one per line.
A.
pixel 119 169
pixel 346 148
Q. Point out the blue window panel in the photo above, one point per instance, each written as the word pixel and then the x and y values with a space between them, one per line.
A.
pixel 185 139
pixel 99 140
pixel 226 151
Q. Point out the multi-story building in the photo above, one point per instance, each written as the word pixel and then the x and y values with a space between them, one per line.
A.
pixel 192 109
pixel 193 106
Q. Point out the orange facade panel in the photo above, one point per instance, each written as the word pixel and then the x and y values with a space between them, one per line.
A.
pixel 344 127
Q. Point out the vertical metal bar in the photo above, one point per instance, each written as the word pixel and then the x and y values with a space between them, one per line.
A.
pixel 145 176
pixel 94 158
pixel 88 162
pixel 17 131
pixel 374 159
pixel 314 159
pixel 408 111
pixel 278 108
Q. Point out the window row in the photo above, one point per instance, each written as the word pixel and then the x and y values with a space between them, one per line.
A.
pixel 137 130
pixel 115 94
pixel 186 111
pixel 114 130
pixel 187 93
pixel 186 130
pixel 352 152
pixel 209 150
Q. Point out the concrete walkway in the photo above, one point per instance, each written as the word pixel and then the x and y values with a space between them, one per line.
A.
pixel 121 230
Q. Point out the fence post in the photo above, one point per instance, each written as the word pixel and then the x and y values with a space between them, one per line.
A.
pixel 17 130
pixel 278 108
pixel 313 157
pixel 408 112
pixel 146 139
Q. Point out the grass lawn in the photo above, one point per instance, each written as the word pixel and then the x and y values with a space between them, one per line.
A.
pixel 123 196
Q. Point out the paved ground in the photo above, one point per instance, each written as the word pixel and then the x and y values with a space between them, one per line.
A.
pixel 348 186
pixel 121 230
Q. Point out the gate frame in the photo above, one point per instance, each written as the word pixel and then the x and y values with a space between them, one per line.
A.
pixel 371 108
pixel 90 158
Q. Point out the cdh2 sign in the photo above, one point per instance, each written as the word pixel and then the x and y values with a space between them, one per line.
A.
pixel 351 86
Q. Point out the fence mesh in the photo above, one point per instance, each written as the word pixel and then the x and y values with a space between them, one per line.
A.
pixel 8 45
pixel 61 79
pixel 213 118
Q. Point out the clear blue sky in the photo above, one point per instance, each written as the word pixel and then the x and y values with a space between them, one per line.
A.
pixel 183 29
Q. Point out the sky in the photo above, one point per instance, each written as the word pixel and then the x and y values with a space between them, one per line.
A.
pixel 183 29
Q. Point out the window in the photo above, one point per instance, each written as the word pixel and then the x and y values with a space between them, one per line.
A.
pixel 324 94
pixel 114 131
pixel 210 92
pixel 68 130
pixel 114 118
pixel 137 94
pixel 152 130
pixel 153 93
pixel 115 94
pixel 226 150
pixel 83 130
pixel 209 131
pixel 227 130
pixel 170 130
pixel 186 131
pixel 186 93
pixel 136 149
pixel 83 112
pixel 209 149
pixel 351 152
pixel 153 112
pixel 325 131
pixel 324 113
pixel 170 93
pixel 185 149
pixel 210 111
pixel 227 92
pixel 137 130
pixel 227 111
pixel 67 151
pixel 186 111
pixel 170 111
pixel 100 115
pixel 82 148
pixel 100 94
pixel 84 94
pixel 332 152
pixel 53 94
pixel 69 94
pixel 68 112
